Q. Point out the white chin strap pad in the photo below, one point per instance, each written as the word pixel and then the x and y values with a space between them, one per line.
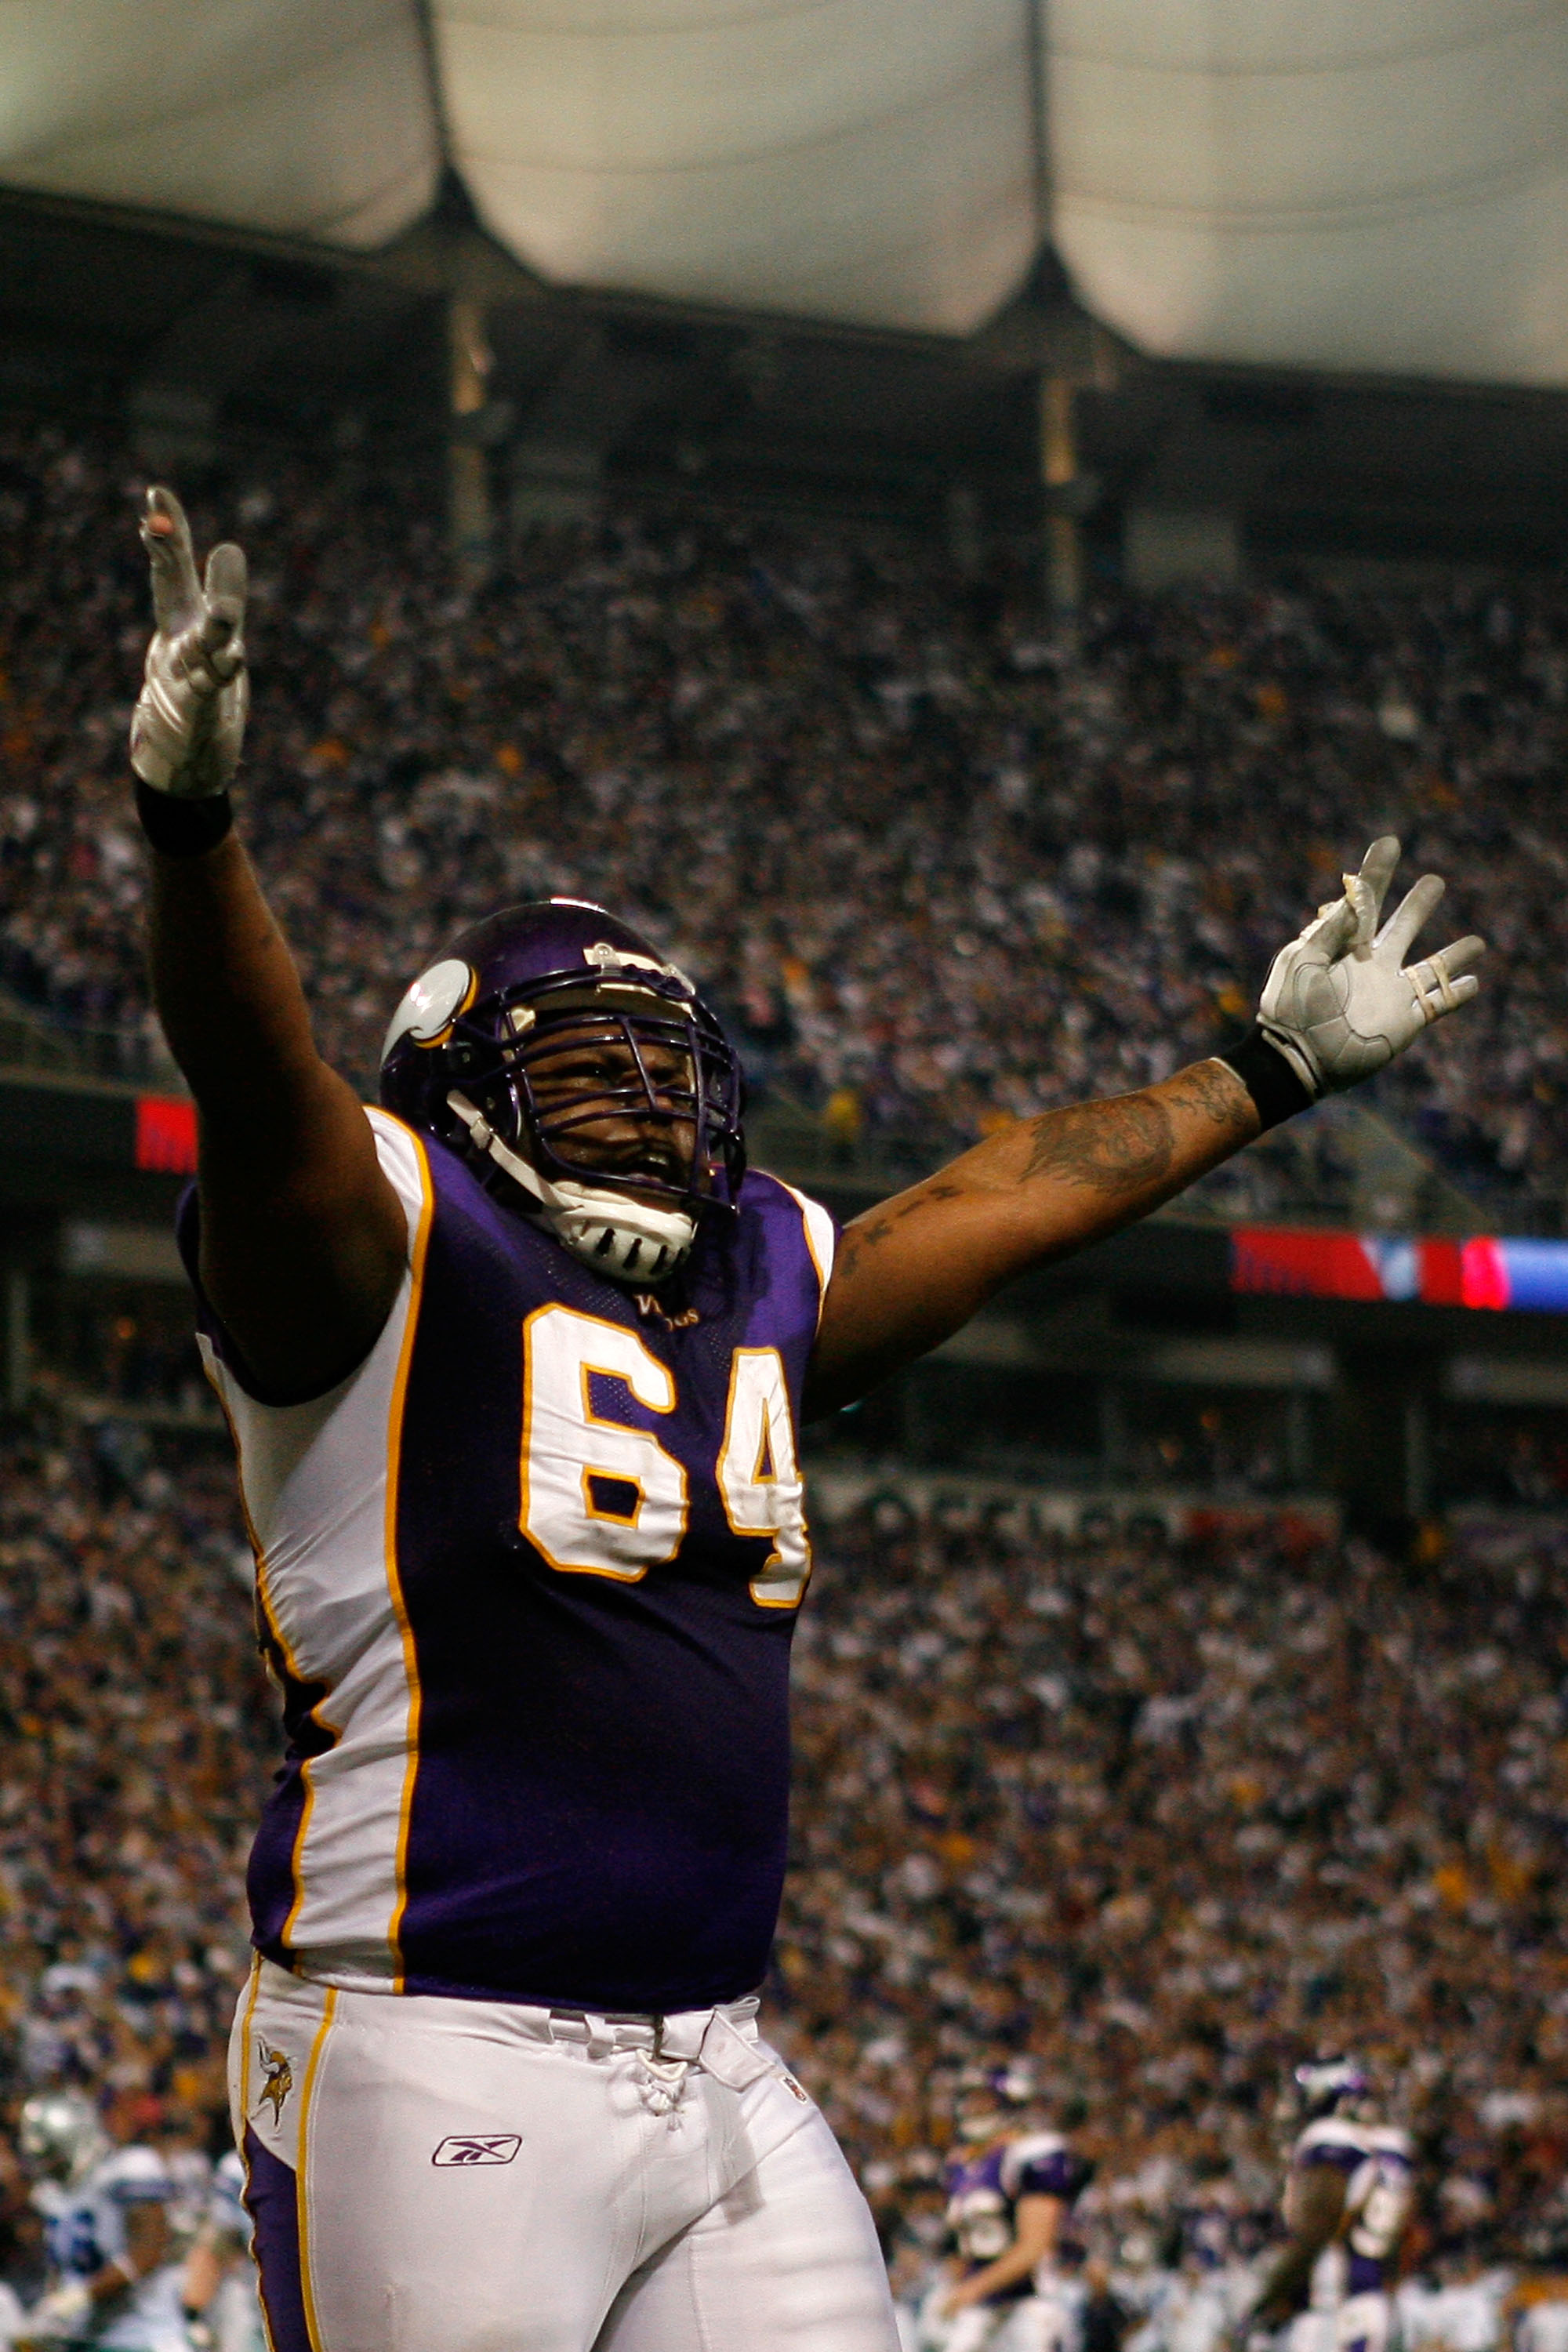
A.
pixel 627 1239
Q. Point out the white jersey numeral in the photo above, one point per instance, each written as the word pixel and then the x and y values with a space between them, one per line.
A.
pixel 599 1498
pixel 602 1498
pixel 1380 2198
pixel 759 1475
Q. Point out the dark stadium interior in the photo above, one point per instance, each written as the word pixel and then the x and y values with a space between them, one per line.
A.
pixel 267 344
pixel 1183 1686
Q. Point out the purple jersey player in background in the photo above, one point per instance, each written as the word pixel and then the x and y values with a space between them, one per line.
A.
pixel 515 1364
pixel 1009 2185
pixel 1348 2199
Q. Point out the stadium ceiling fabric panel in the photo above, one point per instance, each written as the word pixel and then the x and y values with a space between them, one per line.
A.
pixel 1348 183
pixel 867 161
pixel 1345 184
pixel 292 116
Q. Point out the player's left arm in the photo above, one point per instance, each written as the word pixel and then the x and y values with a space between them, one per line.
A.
pixel 148 2240
pixel 148 2236
pixel 1037 2227
pixel 202 2273
pixel 1340 1003
pixel 912 1271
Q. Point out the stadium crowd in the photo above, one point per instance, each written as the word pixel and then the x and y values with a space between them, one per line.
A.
pixel 1164 1816
pixel 944 869
pixel 1167 1817
pixel 137 1730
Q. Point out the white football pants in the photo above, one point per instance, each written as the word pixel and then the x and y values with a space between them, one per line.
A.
pixel 430 2175
pixel 1363 2323
pixel 1030 2323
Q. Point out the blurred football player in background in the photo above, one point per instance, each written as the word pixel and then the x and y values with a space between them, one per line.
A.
pixel 1348 2197
pixel 218 2288
pixel 1010 2184
pixel 105 2213
pixel 516 1364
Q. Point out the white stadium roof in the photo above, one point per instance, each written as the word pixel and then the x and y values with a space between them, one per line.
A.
pixel 1377 184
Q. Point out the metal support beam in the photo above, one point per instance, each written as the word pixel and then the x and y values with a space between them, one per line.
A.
pixel 19 1339
pixel 1299 1439
pixel 1383 1454
pixel 1037 60
pixel 1113 1446
pixel 1059 472
pixel 469 519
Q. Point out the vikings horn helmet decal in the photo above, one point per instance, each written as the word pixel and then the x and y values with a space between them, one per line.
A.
pixel 546 1028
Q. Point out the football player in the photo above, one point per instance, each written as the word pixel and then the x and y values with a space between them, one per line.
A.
pixel 218 2288
pixel 1348 2197
pixel 1009 2188
pixel 107 2229
pixel 516 1362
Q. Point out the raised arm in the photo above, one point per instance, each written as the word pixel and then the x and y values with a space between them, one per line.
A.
pixel 303 1239
pixel 1339 1003
pixel 914 1270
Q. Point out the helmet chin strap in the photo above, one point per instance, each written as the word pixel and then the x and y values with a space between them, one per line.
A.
pixel 629 1240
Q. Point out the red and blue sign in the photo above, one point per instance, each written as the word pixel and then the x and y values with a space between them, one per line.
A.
pixel 1284 1262
pixel 167 1134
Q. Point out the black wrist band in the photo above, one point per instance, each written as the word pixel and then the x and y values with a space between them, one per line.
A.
pixel 1268 1076
pixel 182 828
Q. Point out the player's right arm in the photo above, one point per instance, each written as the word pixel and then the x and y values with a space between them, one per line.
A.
pixel 69 2309
pixel 1037 2227
pixel 1314 2208
pixel 303 1240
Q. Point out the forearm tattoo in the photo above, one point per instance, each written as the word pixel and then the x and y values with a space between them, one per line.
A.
pixel 1116 1147
pixel 1129 1142
pixel 870 1232
pixel 1214 1089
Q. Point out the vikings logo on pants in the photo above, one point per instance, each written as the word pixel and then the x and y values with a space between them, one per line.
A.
pixel 279 2082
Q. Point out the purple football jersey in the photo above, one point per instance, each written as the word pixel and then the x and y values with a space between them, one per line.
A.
pixel 983 2190
pixel 1377 2163
pixel 529 1580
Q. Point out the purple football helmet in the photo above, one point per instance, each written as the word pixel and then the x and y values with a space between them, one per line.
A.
pixel 474 1056
pixel 1325 2087
pixel 987 2095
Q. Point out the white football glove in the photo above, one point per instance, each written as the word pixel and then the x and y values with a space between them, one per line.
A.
pixel 1340 1003
pixel 63 2315
pixel 189 721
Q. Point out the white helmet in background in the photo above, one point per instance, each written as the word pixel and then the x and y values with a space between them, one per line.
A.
pixel 60 2134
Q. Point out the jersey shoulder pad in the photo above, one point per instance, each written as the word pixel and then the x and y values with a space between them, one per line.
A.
pixel 1041 2164
pixel 404 1162
pixel 1385 2139
pixel 1334 2141
pixel 763 1193
pixel 133 2176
